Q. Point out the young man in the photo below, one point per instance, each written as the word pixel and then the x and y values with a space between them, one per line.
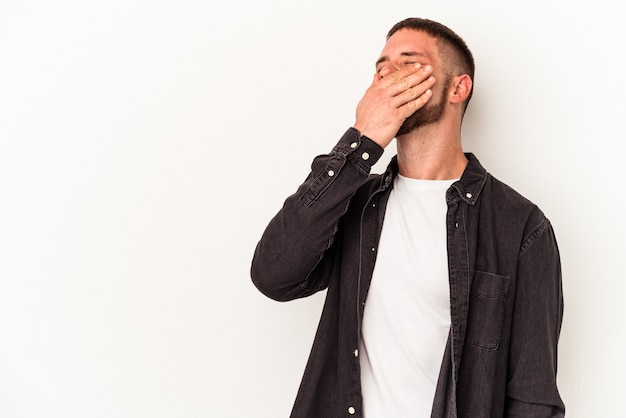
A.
pixel 443 284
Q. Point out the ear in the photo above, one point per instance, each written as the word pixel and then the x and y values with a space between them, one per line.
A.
pixel 461 88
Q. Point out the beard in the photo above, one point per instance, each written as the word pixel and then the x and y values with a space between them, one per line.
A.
pixel 429 114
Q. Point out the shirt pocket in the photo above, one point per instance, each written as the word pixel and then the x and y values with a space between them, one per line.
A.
pixel 486 310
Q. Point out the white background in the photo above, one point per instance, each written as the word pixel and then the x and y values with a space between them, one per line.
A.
pixel 144 146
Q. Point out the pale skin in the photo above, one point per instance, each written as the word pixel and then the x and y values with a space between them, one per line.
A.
pixel 406 79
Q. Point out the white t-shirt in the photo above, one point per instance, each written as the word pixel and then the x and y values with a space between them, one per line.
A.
pixel 407 313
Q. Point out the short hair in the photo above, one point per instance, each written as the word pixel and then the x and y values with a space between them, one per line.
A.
pixel 451 46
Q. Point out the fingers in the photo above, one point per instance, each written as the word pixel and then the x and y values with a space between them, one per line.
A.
pixel 406 89
pixel 412 96
pixel 399 81
pixel 412 105
pixel 395 94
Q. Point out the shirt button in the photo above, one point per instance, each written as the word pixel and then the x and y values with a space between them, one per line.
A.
pixel 356 352
pixel 351 410
pixel 353 145
pixel 468 195
pixel 365 156
pixel 331 173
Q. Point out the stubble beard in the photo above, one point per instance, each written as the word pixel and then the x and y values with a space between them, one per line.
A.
pixel 427 115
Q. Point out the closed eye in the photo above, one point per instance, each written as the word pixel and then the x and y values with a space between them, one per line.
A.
pixel 403 64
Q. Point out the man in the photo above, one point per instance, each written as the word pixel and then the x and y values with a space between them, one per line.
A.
pixel 443 284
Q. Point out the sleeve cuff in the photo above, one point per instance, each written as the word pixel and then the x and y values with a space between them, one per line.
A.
pixel 359 149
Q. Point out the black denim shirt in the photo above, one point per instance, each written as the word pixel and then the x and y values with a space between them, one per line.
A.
pixel 505 287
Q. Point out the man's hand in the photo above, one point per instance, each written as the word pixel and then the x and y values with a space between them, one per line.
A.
pixel 390 100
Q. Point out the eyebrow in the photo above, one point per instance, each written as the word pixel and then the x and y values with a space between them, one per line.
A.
pixel 385 58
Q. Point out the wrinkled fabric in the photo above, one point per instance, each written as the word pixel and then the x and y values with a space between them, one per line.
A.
pixel 504 274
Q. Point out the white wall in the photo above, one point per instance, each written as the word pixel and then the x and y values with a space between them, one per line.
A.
pixel 144 145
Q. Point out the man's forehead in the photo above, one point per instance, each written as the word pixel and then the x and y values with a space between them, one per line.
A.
pixel 413 36
pixel 408 42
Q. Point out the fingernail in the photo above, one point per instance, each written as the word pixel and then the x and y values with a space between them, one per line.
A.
pixel 428 68
pixel 418 65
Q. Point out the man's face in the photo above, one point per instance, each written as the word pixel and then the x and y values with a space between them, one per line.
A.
pixel 409 47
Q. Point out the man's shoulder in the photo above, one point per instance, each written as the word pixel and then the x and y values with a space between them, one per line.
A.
pixel 512 204
pixel 499 190
pixel 494 193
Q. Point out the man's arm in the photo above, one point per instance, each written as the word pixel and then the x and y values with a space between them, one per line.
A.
pixel 297 238
pixel 289 260
pixel 532 388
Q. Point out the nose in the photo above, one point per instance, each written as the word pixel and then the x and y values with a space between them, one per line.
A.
pixel 387 69
pixel 391 66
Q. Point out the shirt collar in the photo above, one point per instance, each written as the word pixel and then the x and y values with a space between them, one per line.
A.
pixel 468 187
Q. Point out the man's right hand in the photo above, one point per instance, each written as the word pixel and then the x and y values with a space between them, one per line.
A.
pixel 391 99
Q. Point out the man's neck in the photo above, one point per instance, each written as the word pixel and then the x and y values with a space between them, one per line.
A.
pixel 431 153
